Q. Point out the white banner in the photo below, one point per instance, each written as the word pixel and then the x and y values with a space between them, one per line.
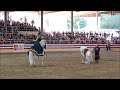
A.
pixel 18 47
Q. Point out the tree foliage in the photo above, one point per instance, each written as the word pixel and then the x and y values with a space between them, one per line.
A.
pixel 77 23
pixel 110 21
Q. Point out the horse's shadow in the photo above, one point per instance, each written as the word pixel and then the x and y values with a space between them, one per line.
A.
pixel 50 65
pixel 45 66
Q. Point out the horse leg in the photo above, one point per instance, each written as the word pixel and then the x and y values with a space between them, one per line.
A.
pixel 42 60
pixel 89 57
pixel 83 57
pixel 87 60
pixel 38 60
pixel 31 61
pixel 34 59
pixel 82 60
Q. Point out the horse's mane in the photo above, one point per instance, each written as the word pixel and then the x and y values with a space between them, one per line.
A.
pixel 85 50
pixel 43 43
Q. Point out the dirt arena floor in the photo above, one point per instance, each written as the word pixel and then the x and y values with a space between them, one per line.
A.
pixel 64 64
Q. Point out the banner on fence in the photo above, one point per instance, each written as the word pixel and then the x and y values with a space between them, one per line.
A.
pixel 18 47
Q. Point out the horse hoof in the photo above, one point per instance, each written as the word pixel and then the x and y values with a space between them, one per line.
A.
pixel 83 62
pixel 32 66
pixel 87 63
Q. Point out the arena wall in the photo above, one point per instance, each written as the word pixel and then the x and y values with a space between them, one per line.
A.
pixel 27 46
pixel 8 48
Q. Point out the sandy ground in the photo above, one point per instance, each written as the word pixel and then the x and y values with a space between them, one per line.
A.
pixel 65 64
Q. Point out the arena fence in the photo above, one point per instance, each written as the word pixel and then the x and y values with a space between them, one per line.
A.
pixel 27 46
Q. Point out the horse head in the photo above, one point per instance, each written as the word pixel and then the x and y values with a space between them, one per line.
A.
pixel 43 44
pixel 82 48
pixel 85 51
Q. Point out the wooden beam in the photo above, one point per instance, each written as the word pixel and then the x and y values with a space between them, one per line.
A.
pixel 46 12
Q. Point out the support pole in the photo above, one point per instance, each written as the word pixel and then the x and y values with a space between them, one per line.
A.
pixel 97 18
pixel 72 24
pixel 41 22
pixel 5 21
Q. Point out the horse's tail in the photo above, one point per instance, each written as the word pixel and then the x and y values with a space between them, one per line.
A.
pixel 28 52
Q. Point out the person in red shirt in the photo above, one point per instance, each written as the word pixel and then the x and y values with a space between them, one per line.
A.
pixel 97 55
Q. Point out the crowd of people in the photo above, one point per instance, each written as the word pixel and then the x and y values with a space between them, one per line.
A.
pixel 13 32
pixel 22 26
pixel 79 38
pixel 13 35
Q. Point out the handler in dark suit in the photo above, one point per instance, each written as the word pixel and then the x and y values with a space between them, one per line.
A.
pixel 97 55
pixel 38 39
pixel 37 48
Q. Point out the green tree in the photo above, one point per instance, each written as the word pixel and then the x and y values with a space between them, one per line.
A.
pixel 68 24
pixel 75 26
pixel 82 23
pixel 109 21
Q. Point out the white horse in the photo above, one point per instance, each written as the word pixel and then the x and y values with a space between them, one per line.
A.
pixel 33 53
pixel 86 55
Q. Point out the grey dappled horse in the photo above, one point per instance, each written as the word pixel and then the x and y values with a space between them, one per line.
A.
pixel 37 52
pixel 86 55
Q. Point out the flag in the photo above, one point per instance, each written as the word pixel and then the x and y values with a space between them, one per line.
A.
pixel 25 18
pixel 47 22
pixel 10 20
